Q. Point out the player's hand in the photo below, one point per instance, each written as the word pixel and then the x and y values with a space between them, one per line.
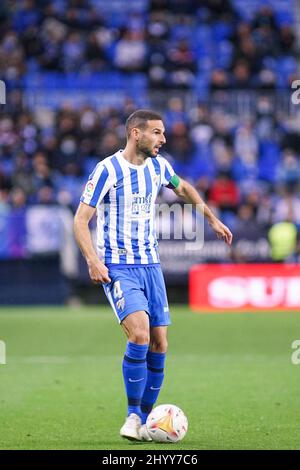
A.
pixel 222 232
pixel 98 272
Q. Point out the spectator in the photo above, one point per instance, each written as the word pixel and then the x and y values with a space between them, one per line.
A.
pixel 283 240
pixel 130 52
pixel 224 193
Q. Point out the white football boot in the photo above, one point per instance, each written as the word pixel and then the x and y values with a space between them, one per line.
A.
pixel 143 433
pixel 131 427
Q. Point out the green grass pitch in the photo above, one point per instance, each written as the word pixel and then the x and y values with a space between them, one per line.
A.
pixel 62 388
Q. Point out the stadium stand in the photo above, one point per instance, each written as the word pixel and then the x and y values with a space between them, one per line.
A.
pixel 220 71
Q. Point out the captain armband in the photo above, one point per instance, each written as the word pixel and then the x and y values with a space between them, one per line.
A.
pixel 174 182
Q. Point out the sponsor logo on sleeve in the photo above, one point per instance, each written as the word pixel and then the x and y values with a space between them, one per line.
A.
pixel 89 189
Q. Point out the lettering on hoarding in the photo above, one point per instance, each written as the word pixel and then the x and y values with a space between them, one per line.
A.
pixel 256 291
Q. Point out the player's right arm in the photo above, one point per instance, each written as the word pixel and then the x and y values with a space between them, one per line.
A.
pixel 97 270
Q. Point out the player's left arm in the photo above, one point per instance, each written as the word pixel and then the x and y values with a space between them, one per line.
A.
pixel 190 195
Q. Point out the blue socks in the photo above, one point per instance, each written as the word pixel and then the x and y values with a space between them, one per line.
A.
pixel 143 373
pixel 155 377
pixel 135 375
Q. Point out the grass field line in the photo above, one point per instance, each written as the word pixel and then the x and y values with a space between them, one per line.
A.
pixel 55 359
pixel 68 359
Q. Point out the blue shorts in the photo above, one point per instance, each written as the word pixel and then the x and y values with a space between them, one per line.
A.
pixel 138 288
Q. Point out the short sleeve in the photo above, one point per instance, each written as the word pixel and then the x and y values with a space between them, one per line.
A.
pixel 167 172
pixel 98 184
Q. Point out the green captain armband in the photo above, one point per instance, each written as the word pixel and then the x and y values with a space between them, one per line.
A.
pixel 174 182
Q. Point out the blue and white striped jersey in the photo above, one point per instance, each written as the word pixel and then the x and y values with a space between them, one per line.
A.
pixel 124 195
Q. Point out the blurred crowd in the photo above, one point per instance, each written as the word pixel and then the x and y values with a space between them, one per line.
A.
pixel 246 167
pixel 175 42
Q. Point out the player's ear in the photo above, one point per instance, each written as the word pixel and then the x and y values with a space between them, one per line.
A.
pixel 135 133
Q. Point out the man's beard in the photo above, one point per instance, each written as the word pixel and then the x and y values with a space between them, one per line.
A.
pixel 146 151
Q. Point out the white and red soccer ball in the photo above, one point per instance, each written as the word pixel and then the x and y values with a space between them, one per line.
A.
pixel 167 423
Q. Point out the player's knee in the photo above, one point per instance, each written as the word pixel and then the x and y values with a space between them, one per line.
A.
pixel 160 346
pixel 140 336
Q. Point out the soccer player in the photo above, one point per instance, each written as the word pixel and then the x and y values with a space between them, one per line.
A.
pixel 122 189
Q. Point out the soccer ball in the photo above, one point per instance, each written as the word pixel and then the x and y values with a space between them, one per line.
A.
pixel 167 423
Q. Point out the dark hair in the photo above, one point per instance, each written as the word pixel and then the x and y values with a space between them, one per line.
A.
pixel 140 118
